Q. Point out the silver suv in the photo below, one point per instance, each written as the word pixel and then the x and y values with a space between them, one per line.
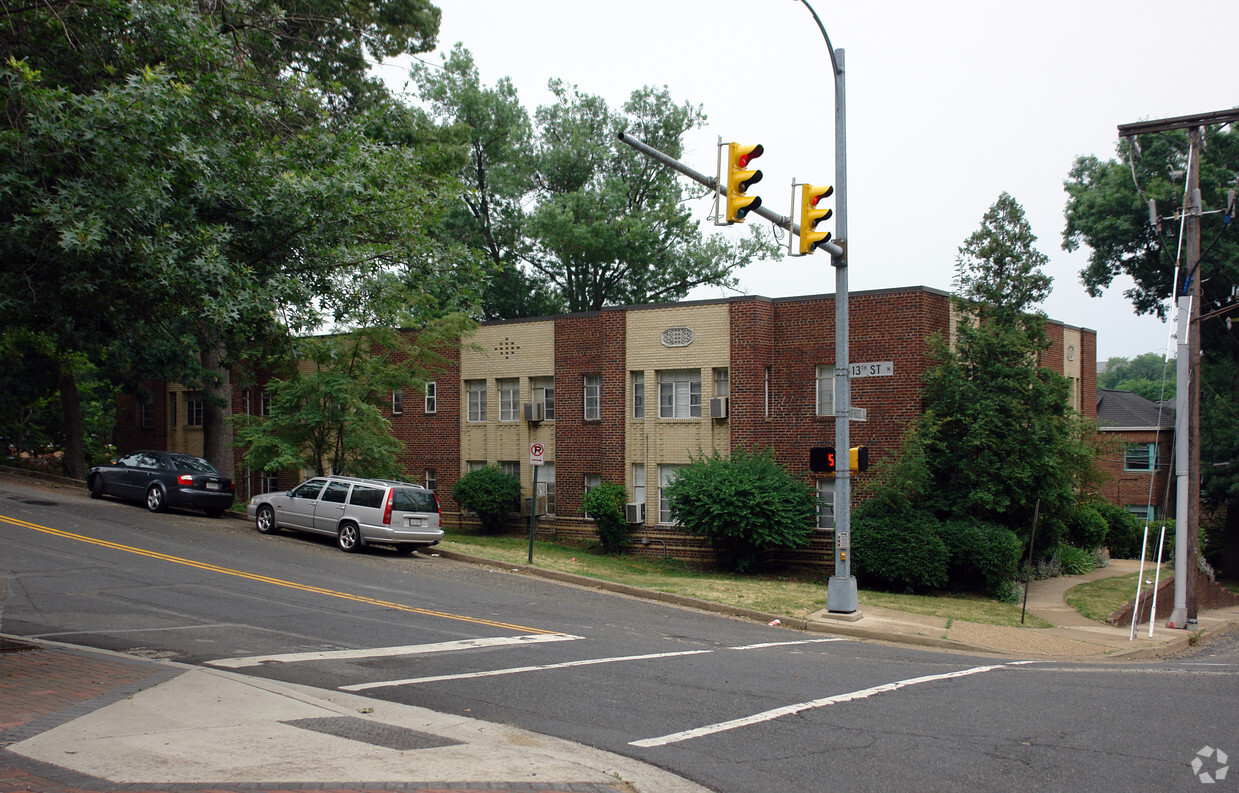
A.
pixel 355 511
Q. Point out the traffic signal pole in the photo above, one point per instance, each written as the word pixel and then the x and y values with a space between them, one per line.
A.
pixel 842 596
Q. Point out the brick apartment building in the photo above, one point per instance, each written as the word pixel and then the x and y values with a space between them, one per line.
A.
pixel 630 393
pixel 1139 445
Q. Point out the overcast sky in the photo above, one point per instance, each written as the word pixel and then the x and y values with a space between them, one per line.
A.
pixel 948 104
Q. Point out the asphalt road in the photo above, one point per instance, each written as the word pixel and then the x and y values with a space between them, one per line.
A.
pixel 733 705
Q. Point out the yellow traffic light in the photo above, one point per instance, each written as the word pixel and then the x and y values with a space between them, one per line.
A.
pixel 858 458
pixel 810 216
pixel 739 178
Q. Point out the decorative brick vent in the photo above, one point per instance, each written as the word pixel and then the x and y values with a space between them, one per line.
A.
pixel 677 337
pixel 507 348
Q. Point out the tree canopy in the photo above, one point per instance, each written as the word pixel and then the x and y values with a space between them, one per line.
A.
pixel 570 218
pixel 182 184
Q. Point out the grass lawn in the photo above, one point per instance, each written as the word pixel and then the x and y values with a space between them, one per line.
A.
pixel 792 594
pixel 1101 598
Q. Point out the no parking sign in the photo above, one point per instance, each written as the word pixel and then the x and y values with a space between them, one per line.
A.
pixel 536 453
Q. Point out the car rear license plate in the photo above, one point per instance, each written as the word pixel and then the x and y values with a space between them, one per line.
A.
pixel 212 485
pixel 413 522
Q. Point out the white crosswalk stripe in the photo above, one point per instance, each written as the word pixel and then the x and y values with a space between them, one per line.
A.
pixel 390 652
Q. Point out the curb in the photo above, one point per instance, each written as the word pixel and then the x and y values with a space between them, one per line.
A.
pixel 841 628
pixel 683 601
pixel 46 477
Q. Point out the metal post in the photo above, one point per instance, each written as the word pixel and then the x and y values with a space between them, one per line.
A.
pixel 841 592
pixel 533 511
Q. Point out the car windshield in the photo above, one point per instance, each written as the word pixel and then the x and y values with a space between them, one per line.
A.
pixel 196 464
pixel 408 500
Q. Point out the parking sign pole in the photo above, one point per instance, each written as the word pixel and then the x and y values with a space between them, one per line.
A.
pixel 533 511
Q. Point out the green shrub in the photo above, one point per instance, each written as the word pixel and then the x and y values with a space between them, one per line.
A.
pixel 1075 560
pixel 981 557
pixel 1124 531
pixel 744 505
pixel 901 553
pixel 605 504
pixel 1087 527
pixel 490 493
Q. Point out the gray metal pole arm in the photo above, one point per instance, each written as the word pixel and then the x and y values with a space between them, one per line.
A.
pixel 782 221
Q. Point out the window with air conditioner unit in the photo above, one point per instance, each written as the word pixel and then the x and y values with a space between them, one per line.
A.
pixel 718 407
pixel 634 512
pixel 536 410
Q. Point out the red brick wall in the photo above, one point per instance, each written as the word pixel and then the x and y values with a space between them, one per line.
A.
pixel 1088 374
pixel 1126 488
pixel 432 440
pixel 127 435
pixel 588 344
pixel 794 336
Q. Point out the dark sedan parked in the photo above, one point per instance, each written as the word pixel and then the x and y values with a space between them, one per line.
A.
pixel 162 480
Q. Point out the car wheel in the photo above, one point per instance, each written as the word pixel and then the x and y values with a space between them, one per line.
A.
pixel 264 520
pixel 349 538
pixel 96 486
pixel 155 501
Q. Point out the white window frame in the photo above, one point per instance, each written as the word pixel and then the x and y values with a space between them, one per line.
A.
pixel 825 503
pixel 509 398
pixel 767 404
pixel 638 483
pixel 475 391
pixel 722 381
pixel 666 474
pixel 397 401
pixel 264 404
pixel 547 477
pixel 824 404
pixel 638 395
pixel 432 479
pixel 679 394
pixel 547 384
pixel 268 482
pixel 590 482
pixel 146 415
pixel 195 408
pixel 591 386
pixel 432 397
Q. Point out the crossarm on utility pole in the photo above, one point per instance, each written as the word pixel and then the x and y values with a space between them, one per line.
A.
pixel 782 221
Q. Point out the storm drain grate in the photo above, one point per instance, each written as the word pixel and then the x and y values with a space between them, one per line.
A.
pixel 373 732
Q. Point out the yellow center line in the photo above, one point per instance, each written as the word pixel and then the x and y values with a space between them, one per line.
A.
pixel 266 579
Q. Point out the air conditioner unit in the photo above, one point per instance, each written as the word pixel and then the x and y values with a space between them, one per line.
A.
pixel 538 504
pixel 719 406
pixel 634 512
pixel 535 411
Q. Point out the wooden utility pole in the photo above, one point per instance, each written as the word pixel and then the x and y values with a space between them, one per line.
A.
pixel 1187 545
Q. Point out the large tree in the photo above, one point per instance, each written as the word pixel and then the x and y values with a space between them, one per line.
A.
pixel 169 195
pixel 998 433
pixel 570 217
pixel 1108 211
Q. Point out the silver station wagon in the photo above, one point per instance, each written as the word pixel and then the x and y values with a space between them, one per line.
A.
pixel 355 511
